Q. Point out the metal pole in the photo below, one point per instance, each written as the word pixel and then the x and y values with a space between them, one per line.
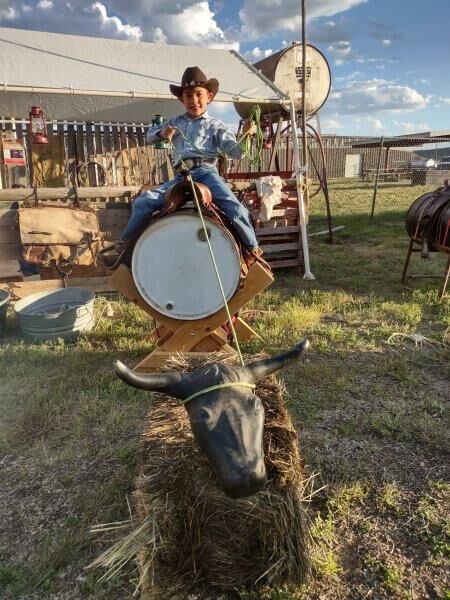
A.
pixel 375 186
pixel 304 133
pixel 300 198
pixel 325 183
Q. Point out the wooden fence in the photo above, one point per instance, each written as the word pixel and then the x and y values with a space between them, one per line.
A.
pixel 88 154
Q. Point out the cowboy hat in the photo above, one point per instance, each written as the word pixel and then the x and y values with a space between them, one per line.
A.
pixel 192 77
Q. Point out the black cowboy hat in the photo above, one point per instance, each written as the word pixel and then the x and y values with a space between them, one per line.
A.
pixel 192 77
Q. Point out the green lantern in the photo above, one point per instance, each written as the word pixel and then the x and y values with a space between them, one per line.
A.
pixel 163 144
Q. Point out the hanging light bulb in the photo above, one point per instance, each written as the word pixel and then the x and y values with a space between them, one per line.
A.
pixel 38 126
pixel 267 132
pixel 163 144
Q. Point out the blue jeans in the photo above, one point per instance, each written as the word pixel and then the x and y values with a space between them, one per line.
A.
pixel 147 203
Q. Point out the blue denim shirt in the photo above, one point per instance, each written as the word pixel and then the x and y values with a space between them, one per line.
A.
pixel 202 137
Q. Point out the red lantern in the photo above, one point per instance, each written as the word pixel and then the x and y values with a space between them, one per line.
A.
pixel 267 132
pixel 38 126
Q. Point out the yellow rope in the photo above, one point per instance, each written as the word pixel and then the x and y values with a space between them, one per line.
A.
pixel 219 386
pixel 216 269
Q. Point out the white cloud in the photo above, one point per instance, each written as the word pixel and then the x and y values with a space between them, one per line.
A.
pixel 8 14
pixel 188 22
pixel 340 49
pixel 342 52
pixel 256 54
pixel 380 67
pixel 349 77
pixel 330 125
pixel 195 26
pixel 409 127
pixel 386 42
pixel 376 124
pixel 263 17
pixel 370 124
pixel 375 95
pixel 157 35
pixel 115 25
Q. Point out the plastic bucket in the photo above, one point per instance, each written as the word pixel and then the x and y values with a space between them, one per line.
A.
pixel 56 314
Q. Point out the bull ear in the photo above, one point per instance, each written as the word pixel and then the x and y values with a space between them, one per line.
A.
pixel 261 368
pixel 146 381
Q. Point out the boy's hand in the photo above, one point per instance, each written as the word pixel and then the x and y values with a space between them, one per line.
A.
pixel 167 133
pixel 249 128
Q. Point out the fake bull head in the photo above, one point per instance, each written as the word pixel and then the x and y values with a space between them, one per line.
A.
pixel 227 422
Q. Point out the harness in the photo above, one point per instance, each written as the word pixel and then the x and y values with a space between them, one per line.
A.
pixel 219 386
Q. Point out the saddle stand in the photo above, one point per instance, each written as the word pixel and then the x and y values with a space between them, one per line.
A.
pixel 198 338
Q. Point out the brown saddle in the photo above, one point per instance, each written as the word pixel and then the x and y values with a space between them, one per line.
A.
pixel 177 197
pixel 181 193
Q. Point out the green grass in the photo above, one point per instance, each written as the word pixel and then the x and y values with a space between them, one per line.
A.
pixel 370 403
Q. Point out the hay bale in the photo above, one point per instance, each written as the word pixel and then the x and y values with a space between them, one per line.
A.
pixel 201 540
pixel 194 542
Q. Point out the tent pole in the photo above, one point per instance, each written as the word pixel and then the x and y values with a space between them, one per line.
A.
pixel 5 88
pixel 301 204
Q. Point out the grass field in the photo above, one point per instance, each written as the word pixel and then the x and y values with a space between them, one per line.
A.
pixel 370 403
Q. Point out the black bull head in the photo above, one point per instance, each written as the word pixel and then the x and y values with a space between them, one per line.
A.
pixel 227 422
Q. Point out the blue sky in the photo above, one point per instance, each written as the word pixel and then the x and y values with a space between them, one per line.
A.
pixel 389 59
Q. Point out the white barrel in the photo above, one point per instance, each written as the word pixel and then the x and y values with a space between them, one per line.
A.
pixel 284 68
pixel 173 270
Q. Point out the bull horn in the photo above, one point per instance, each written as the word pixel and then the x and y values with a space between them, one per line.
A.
pixel 262 368
pixel 146 381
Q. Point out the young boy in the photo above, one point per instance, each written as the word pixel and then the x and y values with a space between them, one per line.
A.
pixel 197 139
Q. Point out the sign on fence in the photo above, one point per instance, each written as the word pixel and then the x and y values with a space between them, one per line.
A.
pixel 13 153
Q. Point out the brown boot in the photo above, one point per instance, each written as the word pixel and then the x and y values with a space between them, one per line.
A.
pixel 112 256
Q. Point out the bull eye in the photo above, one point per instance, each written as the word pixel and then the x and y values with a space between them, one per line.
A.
pixel 201 415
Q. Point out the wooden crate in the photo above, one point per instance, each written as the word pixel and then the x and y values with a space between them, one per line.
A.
pixel 280 238
pixel 113 215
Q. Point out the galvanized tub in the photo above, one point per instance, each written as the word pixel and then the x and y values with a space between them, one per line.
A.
pixel 56 314
pixel 4 301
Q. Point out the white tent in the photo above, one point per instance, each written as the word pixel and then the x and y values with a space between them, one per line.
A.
pixel 98 79
pixel 78 78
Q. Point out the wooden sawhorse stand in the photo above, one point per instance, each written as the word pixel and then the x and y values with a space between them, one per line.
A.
pixel 199 337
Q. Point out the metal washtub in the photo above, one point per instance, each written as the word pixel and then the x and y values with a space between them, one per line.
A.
pixel 4 301
pixel 56 314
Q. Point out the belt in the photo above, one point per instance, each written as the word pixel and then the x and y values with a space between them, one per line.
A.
pixel 192 163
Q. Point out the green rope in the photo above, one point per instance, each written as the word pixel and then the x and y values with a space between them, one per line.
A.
pixel 245 142
pixel 254 156
pixel 216 268
pixel 219 386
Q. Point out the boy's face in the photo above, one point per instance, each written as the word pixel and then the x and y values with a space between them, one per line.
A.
pixel 196 100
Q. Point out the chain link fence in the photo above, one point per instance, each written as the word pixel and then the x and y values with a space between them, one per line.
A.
pixel 363 177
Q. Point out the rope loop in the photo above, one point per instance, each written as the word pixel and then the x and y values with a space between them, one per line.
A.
pixel 219 386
